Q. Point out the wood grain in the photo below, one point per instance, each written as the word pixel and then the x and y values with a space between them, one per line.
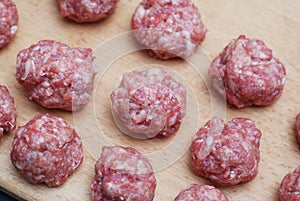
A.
pixel 276 22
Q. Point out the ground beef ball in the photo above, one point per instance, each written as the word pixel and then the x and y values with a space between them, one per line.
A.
pixel 122 173
pixel 9 21
pixel 57 76
pixel 289 187
pixel 169 28
pixel 8 112
pixel 298 127
pixel 197 192
pixel 148 103
pixel 227 154
pixel 46 150
pixel 87 10
pixel 248 73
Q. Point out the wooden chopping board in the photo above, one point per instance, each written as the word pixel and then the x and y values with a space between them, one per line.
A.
pixel 275 22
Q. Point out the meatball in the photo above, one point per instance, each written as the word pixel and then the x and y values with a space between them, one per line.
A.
pixel 87 10
pixel 227 154
pixel 8 112
pixel 122 173
pixel 247 73
pixel 169 28
pixel 148 103
pixel 57 76
pixel 289 187
pixel 9 21
pixel 46 150
pixel 197 192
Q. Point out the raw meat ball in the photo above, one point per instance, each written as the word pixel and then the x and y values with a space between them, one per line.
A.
pixel 247 72
pixel 169 28
pixel 9 21
pixel 57 76
pixel 46 150
pixel 148 102
pixel 8 113
pixel 197 192
pixel 122 173
pixel 289 187
pixel 87 10
pixel 227 154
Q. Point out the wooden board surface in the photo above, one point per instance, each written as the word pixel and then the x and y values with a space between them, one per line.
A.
pixel 276 22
